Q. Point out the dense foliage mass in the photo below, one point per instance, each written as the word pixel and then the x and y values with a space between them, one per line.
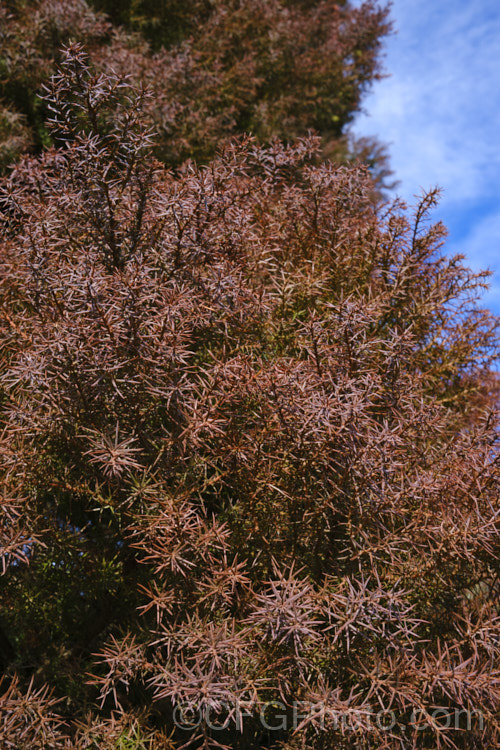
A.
pixel 249 451
pixel 217 68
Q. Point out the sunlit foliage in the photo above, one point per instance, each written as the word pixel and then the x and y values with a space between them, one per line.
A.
pixel 249 448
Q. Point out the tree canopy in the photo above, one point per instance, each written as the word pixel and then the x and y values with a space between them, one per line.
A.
pixel 250 483
pixel 217 69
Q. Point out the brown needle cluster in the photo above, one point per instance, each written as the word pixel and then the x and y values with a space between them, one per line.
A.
pixel 249 450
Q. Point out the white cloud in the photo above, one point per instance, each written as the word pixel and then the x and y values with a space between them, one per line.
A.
pixel 440 114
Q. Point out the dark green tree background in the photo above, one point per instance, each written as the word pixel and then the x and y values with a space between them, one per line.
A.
pixel 271 68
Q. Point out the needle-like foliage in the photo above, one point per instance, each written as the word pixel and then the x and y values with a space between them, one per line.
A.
pixel 217 68
pixel 249 450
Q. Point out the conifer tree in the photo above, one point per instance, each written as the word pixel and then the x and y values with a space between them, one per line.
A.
pixel 249 450
pixel 217 69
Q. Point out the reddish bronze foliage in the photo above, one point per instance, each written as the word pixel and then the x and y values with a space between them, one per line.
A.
pixel 217 69
pixel 268 67
pixel 249 449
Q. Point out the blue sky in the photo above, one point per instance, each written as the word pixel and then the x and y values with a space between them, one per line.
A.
pixel 439 113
